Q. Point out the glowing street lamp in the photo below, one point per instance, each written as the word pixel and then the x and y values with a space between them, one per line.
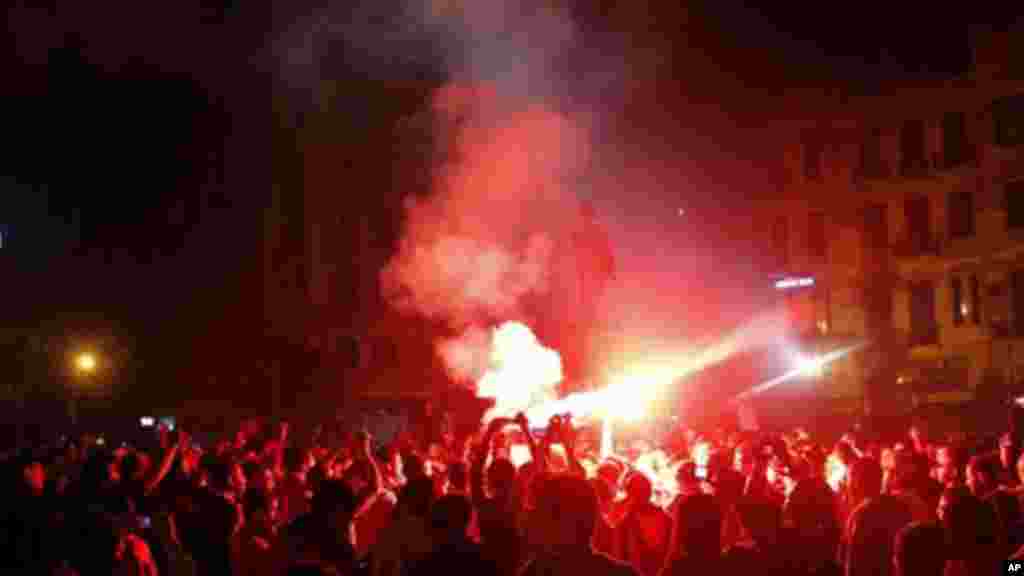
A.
pixel 85 363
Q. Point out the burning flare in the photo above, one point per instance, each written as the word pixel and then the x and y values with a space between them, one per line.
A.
pixel 835 472
pixel 522 372
pixel 701 454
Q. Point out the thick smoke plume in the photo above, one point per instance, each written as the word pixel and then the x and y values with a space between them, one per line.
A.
pixel 484 242
pixel 482 245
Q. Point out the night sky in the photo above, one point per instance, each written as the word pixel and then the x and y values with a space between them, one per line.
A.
pixel 137 139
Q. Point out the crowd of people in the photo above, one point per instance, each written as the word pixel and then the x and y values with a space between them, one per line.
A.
pixel 266 502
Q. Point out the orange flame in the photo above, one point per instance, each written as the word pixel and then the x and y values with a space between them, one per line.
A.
pixel 522 373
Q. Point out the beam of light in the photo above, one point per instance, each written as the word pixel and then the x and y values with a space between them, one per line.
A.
pixel 632 391
pixel 801 370
pixel 607 439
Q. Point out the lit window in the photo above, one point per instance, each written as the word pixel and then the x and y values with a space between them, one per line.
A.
pixel 960 310
pixel 975 300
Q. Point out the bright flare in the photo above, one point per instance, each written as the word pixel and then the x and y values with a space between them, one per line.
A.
pixel 630 393
pixel 800 370
pixel 522 372
pixel 661 471
pixel 701 454
pixel 519 454
pixel 835 472
pixel 607 439
pixel 812 366
pixel 626 399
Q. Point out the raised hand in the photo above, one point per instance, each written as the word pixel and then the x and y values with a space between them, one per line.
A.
pixel 362 444
pixel 184 440
pixel 497 424
pixel 568 433
pixel 522 421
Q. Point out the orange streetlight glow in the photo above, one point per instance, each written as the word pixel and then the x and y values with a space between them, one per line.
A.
pixel 86 363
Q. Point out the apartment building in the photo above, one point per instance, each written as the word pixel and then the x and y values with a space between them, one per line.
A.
pixel 905 209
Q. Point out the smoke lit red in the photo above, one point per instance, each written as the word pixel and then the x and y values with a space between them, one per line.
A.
pixel 522 372
pixel 484 240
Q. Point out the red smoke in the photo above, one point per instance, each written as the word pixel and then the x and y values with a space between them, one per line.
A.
pixel 483 243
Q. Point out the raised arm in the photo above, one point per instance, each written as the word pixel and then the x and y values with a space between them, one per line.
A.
pixel 569 441
pixel 364 450
pixel 278 450
pixel 536 452
pixel 166 462
pixel 480 460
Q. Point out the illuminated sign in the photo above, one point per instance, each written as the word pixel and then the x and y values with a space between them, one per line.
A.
pixel 789 283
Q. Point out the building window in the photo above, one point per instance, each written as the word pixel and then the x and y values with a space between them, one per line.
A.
pixel 959 304
pixel 919 231
pixel 954 139
pixel 780 242
pixel 1008 121
pixel 872 164
pixel 1015 204
pixel 1017 303
pixel 924 330
pixel 813 152
pixel 1015 66
pixel 816 241
pixel 912 148
pixel 875 218
pixel 975 300
pixel 961 214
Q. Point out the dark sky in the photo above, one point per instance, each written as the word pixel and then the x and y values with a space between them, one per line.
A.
pixel 131 120
pixel 132 130
pixel 146 129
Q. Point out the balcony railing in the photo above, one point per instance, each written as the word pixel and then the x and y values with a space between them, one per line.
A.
pixel 947 377
pixel 916 168
pixel 917 247
pixel 924 335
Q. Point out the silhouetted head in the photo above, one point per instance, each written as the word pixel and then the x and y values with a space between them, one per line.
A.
pixel 450 517
pixel 698 527
pixel 570 512
pixel 416 497
pixel 501 477
pixel 639 488
pixel 917 550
